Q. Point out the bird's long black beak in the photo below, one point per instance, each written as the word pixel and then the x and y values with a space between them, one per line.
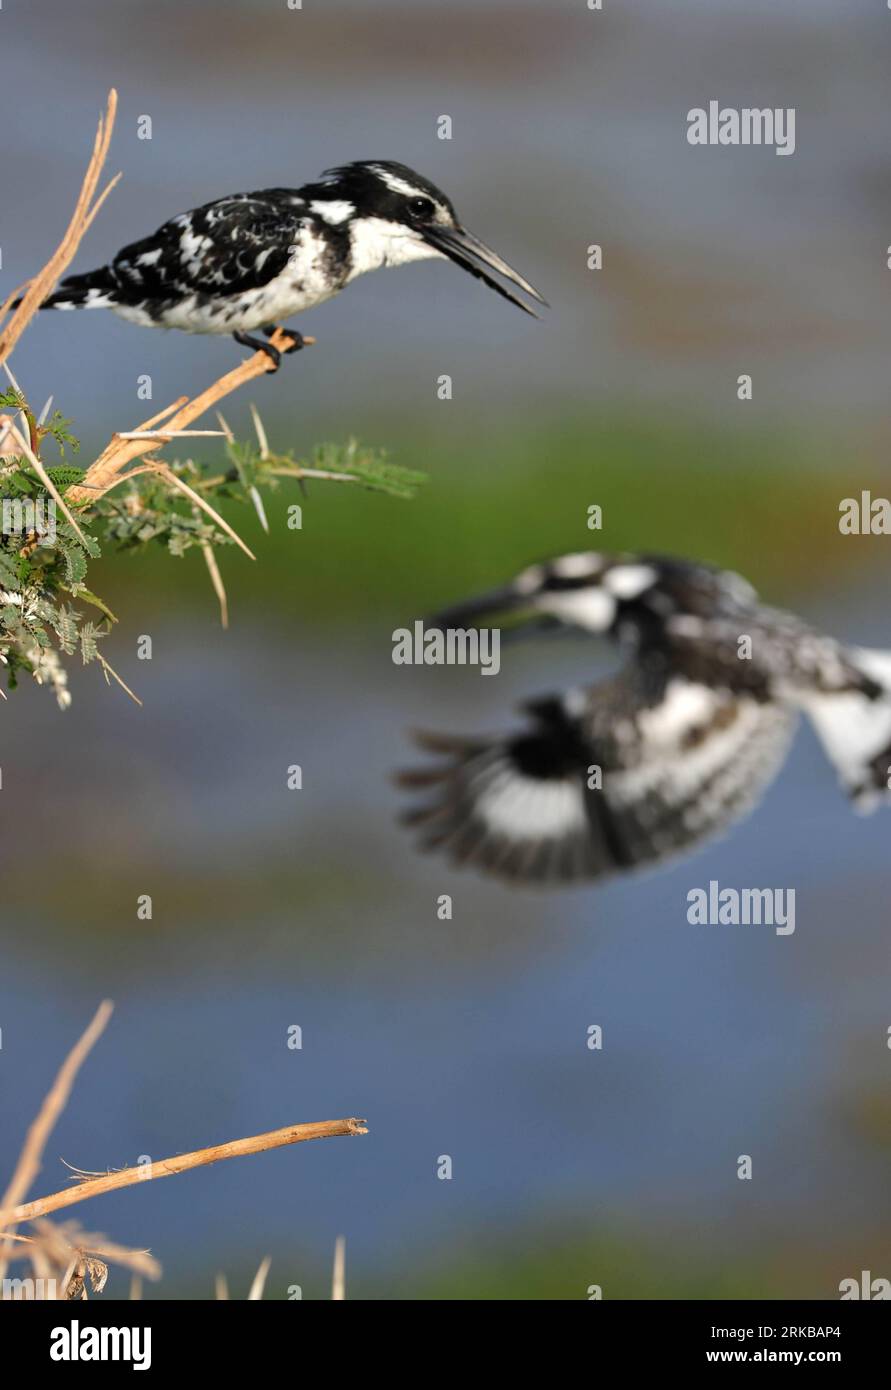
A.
pixel 474 256
pixel 489 605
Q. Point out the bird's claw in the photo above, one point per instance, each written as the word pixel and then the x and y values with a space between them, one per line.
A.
pixel 272 353
pixel 297 339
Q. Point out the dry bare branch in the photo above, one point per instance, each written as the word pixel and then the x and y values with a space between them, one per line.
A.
pixel 181 1163
pixel 141 1262
pixel 28 1165
pixel 61 1242
pixel 109 469
pixel 31 1156
pixel 84 212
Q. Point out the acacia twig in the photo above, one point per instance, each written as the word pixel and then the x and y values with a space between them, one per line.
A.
pixel 109 469
pixel 180 1163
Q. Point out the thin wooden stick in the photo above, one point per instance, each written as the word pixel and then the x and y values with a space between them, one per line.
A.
pixel 180 1163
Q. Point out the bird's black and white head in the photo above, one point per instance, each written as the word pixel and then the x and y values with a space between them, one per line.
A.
pixel 395 215
pixel 604 594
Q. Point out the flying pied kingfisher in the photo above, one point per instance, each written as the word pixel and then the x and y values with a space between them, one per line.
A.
pixel 668 752
pixel 247 262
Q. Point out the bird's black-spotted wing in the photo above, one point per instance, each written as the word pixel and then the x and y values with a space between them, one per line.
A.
pixel 516 807
pixel 600 783
pixel 230 246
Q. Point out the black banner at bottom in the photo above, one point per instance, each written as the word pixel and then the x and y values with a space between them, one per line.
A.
pixel 164 1337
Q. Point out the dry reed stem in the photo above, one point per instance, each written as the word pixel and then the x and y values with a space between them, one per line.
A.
pixel 84 212
pixel 93 1243
pixel 30 1158
pixel 181 1163
pixel 259 1282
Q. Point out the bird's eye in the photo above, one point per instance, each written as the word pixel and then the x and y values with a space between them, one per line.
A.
pixel 421 207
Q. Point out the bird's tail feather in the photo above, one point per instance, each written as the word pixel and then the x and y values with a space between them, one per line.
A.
pixel 95 290
pixel 855 730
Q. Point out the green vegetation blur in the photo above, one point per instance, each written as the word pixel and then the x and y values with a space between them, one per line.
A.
pixel 761 500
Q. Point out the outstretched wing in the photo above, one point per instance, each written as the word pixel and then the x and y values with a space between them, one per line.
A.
pixel 586 792
pixel 230 246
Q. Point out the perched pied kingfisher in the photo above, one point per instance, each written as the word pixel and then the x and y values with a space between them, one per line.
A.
pixel 249 261
pixel 671 750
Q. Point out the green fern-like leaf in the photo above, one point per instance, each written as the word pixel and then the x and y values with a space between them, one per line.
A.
pixel 9 577
pixel 370 466
pixel 66 631
pixel 88 649
pixel 65 475
pixel 75 565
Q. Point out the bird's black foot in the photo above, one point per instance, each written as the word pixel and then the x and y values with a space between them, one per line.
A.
pixel 258 345
pixel 296 338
